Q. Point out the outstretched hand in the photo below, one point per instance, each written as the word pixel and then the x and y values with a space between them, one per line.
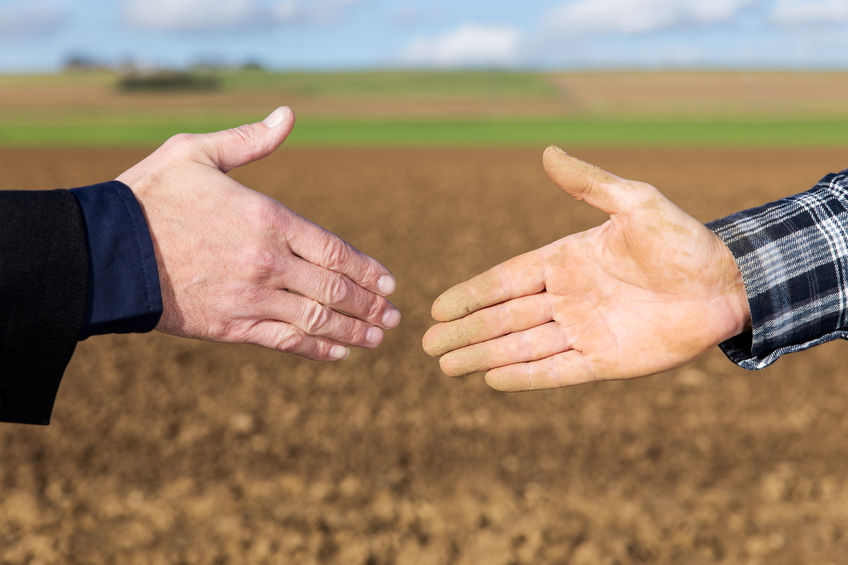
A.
pixel 237 266
pixel 648 290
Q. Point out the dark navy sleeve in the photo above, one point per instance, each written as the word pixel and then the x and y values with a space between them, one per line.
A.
pixel 124 294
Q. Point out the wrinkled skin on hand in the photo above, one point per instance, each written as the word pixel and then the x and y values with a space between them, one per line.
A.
pixel 649 290
pixel 237 266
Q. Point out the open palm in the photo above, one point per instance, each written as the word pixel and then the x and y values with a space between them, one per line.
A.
pixel 648 290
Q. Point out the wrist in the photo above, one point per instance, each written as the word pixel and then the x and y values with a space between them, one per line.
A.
pixel 742 308
pixel 736 296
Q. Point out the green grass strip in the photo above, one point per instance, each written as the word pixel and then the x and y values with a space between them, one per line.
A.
pixel 574 132
pixel 440 132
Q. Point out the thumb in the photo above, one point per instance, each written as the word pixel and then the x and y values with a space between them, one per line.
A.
pixel 585 181
pixel 231 148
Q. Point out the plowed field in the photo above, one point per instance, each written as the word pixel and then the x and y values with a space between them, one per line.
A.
pixel 164 450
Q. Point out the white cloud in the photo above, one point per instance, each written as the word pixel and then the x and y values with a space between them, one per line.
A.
pixel 19 19
pixel 190 15
pixel 415 14
pixel 285 11
pixel 715 11
pixel 807 12
pixel 467 45
pixel 640 16
pixel 202 15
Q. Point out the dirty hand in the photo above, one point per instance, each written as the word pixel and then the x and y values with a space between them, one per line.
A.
pixel 648 290
pixel 237 266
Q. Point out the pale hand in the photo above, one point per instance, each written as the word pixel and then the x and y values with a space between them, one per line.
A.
pixel 237 266
pixel 649 290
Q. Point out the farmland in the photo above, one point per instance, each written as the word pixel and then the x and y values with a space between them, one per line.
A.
pixel 433 109
pixel 165 450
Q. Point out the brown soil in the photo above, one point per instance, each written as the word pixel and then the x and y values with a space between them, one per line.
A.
pixel 701 94
pixel 641 95
pixel 164 450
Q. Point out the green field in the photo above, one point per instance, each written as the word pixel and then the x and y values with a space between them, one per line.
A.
pixel 320 132
pixel 402 108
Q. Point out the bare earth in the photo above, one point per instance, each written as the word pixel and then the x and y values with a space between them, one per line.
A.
pixel 170 451
pixel 645 95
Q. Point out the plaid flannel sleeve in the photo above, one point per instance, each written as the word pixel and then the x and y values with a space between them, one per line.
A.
pixel 793 255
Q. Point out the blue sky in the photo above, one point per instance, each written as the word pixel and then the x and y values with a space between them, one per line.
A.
pixel 38 35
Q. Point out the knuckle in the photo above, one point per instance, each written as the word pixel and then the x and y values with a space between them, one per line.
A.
pixel 375 308
pixel 352 332
pixel 232 331
pixel 180 143
pixel 179 139
pixel 289 340
pixel 359 333
pixel 275 222
pixel 317 318
pixel 335 254
pixel 259 263
pixel 591 181
pixel 338 290
pixel 247 138
pixel 268 214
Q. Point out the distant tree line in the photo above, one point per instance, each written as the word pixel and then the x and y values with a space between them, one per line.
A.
pixel 161 80
pixel 201 76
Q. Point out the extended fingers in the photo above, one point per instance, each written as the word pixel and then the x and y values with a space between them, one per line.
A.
pixel 528 345
pixel 327 250
pixel 340 293
pixel 511 316
pixel 287 338
pixel 563 369
pixel 316 319
pixel 519 276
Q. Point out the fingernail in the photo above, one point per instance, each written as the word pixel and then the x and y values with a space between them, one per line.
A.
pixel 374 336
pixel 386 284
pixel 274 119
pixel 337 352
pixel 391 318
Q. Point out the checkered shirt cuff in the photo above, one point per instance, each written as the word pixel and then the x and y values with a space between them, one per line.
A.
pixel 793 255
